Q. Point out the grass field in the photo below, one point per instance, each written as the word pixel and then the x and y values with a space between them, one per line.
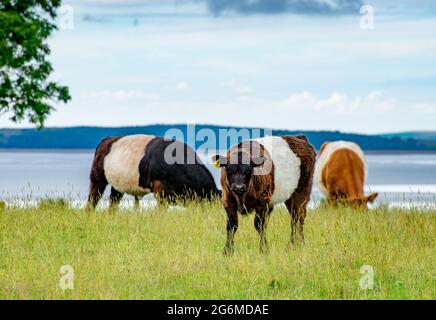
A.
pixel 164 254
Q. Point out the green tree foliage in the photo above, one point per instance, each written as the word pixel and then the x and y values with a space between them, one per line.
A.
pixel 26 91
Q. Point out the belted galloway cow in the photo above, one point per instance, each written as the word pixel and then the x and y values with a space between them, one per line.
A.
pixel 340 174
pixel 140 164
pixel 258 174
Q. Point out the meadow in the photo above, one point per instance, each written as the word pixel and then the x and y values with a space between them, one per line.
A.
pixel 177 254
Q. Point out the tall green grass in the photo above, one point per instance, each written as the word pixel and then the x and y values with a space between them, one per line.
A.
pixel 169 254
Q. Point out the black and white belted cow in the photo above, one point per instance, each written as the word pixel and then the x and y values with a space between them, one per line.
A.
pixel 141 164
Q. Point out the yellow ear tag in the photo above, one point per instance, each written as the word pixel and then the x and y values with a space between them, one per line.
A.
pixel 217 164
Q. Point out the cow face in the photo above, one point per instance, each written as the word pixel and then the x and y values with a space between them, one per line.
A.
pixel 239 170
pixel 363 203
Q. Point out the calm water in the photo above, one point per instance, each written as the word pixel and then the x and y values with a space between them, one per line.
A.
pixel 400 179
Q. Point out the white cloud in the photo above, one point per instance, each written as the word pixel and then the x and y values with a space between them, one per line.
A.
pixel 126 2
pixel 268 62
pixel 120 95
pixel 375 112
pixel 183 86
pixel 237 87
pixel 425 108
pixel 129 7
pixel 339 103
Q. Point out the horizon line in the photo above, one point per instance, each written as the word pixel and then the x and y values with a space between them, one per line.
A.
pixel 215 125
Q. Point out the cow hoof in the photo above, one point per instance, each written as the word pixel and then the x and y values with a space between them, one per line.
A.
pixel 264 249
pixel 229 251
pixel 294 243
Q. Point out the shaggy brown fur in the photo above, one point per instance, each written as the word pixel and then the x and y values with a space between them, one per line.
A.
pixel 297 204
pixel 260 191
pixel 98 179
pixel 260 188
pixel 257 198
pixel 344 176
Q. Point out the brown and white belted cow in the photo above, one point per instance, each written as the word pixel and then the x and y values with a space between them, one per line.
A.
pixel 258 174
pixel 340 174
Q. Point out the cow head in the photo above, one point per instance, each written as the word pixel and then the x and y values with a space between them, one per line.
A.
pixel 239 169
pixel 362 202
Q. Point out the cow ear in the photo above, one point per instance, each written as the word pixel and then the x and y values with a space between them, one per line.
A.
pixel 371 197
pixel 219 161
pixel 258 161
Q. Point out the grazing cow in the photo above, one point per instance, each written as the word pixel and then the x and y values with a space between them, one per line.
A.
pixel 257 174
pixel 138 164
pixel 340 173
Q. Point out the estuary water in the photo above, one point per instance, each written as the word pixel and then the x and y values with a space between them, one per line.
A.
pixel 402 180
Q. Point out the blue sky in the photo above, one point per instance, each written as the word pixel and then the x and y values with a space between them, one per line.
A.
pixel 310 67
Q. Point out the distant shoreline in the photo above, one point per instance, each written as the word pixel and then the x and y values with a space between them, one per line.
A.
pixel 81 150
pixel 399 152
pixel 87 138
pixel 46 150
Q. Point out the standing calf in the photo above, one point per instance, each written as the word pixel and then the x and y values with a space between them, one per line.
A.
pixel 340 173
pixel 260 173
pixel 138 164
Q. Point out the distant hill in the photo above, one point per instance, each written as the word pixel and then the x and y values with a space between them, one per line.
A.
pixel 418 135
pixel 89 137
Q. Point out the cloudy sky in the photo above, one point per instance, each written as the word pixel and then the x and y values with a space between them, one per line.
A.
pixel 294 64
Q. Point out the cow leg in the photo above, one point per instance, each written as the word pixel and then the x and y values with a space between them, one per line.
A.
pixel 332 200
pixel 297 208
pixel 115 198
pixel 137 205
pixel 232 227
pixel 260 223
pixel 96 191
pixel 337 198
pixel 158 190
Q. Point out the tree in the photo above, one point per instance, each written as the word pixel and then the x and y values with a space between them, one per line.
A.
pixel 26 92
